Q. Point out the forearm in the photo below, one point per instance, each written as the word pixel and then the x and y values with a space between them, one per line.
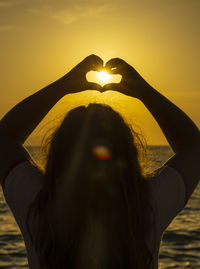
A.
pixel 178 128
pixel 21 120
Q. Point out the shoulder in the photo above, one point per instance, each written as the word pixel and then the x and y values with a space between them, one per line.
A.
pixel 22 184
pixel 23 177
pixel 166 177
pixel 186 162
pixel 168 191
pixel 181 169
pixel 12 154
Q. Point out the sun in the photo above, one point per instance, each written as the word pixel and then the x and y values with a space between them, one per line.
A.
pixel 104 76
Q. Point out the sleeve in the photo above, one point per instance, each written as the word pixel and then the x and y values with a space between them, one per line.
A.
pixel 186 162
pixel 169 194
pixel 21 186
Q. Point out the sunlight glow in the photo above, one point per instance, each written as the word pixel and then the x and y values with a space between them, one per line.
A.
pixel 104 76
pixel 101 152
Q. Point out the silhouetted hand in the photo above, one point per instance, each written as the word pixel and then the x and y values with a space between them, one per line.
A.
pixel 132 84
pixel 75 80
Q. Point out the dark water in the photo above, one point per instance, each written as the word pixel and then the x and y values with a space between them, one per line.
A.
pixel 180 247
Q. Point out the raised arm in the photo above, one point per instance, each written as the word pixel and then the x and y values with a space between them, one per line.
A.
pixel 20 121
pixel 180 131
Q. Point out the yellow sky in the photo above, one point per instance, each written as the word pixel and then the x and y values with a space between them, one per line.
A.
pixel 41 40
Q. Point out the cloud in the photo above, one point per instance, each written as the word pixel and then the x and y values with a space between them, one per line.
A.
pixel 6 28
pixel 72 13
pixel 8 3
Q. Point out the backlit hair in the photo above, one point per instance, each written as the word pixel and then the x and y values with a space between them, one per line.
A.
pixel 65 202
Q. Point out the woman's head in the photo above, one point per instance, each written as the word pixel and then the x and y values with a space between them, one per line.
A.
pixel 78 180
pixel 85 127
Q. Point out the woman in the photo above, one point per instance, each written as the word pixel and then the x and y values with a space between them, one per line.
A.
pixel 93 207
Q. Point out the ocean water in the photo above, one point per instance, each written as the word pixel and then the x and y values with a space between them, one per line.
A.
pixel 180 247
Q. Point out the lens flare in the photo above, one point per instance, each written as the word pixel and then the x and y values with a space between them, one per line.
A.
pixel 104 76
pixel 101 152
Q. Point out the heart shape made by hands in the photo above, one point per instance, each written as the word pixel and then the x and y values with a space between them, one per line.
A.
pixel 102 77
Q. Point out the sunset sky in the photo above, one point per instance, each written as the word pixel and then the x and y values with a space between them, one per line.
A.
pixel 41 40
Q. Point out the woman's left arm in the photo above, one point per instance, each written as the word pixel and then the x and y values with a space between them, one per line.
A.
pixel 20 121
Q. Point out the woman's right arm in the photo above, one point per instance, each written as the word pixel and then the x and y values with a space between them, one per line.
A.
pixel 180 131
pixel 182 134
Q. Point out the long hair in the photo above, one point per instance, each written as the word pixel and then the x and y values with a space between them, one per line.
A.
pixel 73 196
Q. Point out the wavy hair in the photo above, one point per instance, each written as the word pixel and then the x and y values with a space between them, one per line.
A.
pixel 71 198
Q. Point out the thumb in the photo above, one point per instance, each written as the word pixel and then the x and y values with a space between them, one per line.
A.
pixel 93 86
pixel 110 87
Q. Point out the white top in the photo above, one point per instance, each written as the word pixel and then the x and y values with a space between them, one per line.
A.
pixel 25 180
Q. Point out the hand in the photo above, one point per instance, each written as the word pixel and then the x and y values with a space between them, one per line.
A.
pixel 132 84
pixel 75 80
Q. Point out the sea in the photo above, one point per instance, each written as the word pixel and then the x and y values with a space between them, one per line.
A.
pixel 180 247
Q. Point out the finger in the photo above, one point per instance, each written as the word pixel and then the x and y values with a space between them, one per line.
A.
pixel 113 71
pixel 93 86
pixel 111 87
pixel 115 63
pixel 93 62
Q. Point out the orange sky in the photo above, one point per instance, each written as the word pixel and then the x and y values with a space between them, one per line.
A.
pixel 41 40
